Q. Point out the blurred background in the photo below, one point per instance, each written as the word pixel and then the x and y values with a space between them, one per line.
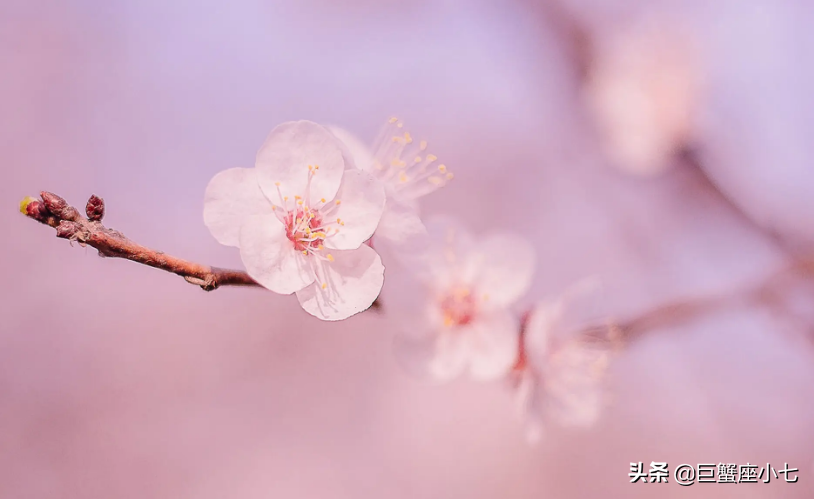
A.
pixel 664 146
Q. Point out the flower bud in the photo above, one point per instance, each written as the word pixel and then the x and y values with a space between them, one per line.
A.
pixel 95 209
pixel 34 208
pixel 53 203
pixel 67 229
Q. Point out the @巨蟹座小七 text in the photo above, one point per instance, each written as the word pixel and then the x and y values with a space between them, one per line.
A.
pixel 689 474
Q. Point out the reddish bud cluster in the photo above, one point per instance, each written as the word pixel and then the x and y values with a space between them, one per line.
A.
pixel 95 209
pixel 59 207
pixel 35 209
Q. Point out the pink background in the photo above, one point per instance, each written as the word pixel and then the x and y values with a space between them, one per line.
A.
pixel 121 381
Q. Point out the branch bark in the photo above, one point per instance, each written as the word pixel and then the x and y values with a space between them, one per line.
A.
pixel 55 212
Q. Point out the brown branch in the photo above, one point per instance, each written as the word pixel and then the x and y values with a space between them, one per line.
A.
pixel 54 211
pixel 768 291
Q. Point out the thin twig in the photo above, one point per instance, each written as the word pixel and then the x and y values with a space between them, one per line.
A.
pixel 54 211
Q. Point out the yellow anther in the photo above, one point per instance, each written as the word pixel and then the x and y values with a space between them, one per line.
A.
pixel 322 200
pixel 422 145
pixel 330 257
pixel 320 247
pixel 299 202
pixel 277 184
pixel 417 159
pixel 304 252
pixel 435 180
pixel 400 125
pixel 393 120
pixel 450 176
pixel 310 167
pixel 297 197
pixel 316 167
pixel 431 158
pixel 273 207
pixel 448 320
pixel 397 139
pixel 324 285
pixel 442 168
pixel 408 138
pixel 338 202
pixel 320 234
pixel 285 198
pixel 403 177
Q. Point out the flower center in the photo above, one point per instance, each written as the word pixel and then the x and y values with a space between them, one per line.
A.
pixel 458 307
pixel 302 227
pixel 306 224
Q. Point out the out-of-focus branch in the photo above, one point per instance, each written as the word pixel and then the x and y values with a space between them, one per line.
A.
pixel 768 291
pixel 54 211
pixel 689 156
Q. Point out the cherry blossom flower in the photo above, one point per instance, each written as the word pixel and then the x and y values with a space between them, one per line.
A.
pixel 300 218
pixel 558 375
pixel 462 289
pixel 408 172
pixel 643 91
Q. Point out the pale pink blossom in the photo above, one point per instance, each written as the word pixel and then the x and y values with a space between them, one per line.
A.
pixel 643 91
pixel 558 374
pixel 300 218
pixel 408 172
pixel 460 318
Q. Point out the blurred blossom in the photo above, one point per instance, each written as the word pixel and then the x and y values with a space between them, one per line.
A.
pixel 311 241
pixel 466 286
pixel 408 172
pixel 642 90
pixel 557 377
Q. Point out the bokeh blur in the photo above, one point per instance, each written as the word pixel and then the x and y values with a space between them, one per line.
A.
pixel 664 146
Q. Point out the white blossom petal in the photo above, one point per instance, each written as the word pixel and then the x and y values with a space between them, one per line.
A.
pixel 285 157
pixel 493 344
pixel 270 258
pixel 505 264
pixel 439 357
pixel 572 393
pixel 401 226
pixel 362 155
pixel 232 196
pixel 542 321
pixel 578 306
pixel 362 201
pixel 526 386
pixel 444 262
pixel 345 286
